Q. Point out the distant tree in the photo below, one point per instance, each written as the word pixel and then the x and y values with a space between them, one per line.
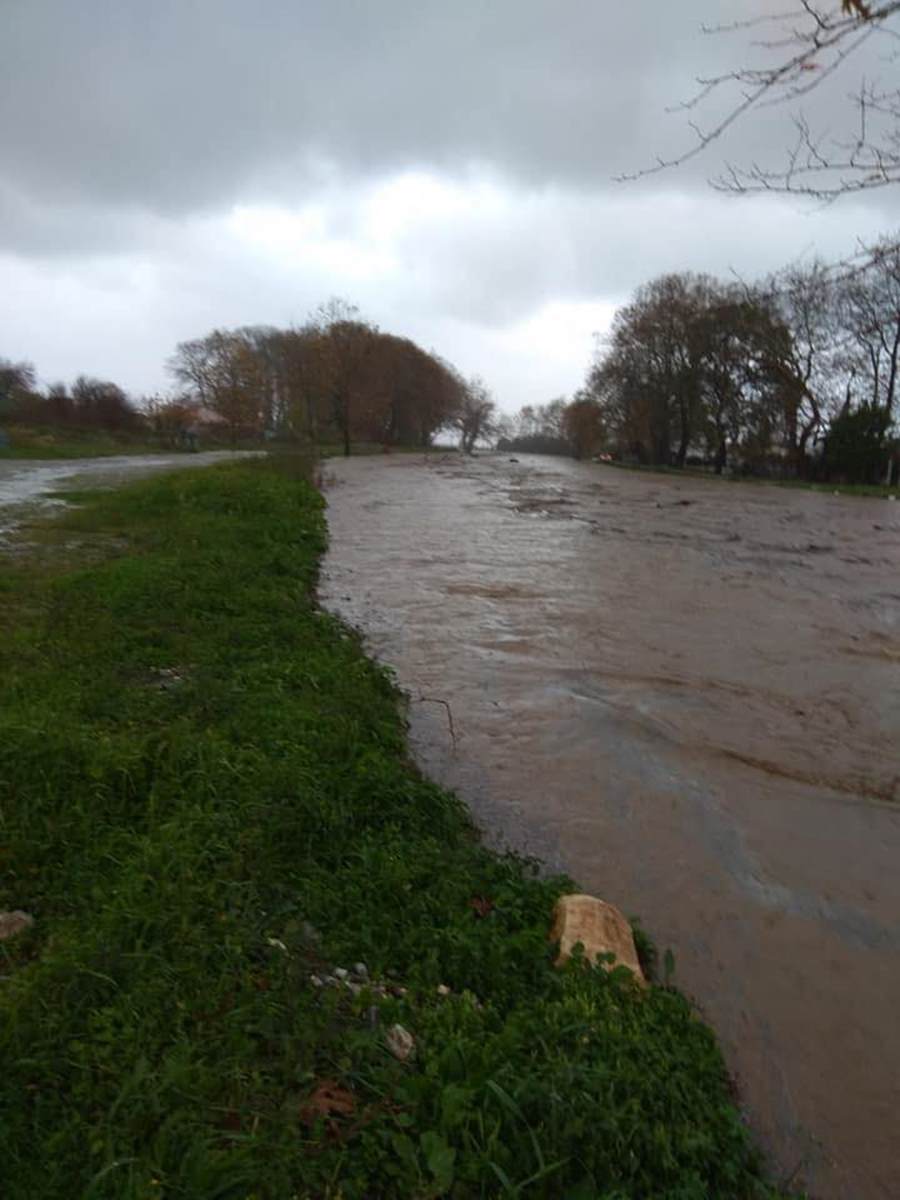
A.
pixel 504 431
pixel 475 416
pixel 870 314
pixel 650 372
pixel 537 428
pixel 225 372
pixel 805 353
pixel 17 381
pixel 101 404
pixel 347 350
pixel 583 425
pixel 737 330
pixel 300 355
pixel 857 448
pixel 695 366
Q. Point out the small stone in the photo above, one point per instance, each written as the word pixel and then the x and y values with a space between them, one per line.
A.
pixel 14 922
pixel 277 943
pixel 360 970
pixel 443 990
pixel 341 973
pixel 599 927
pixel 400 1042
pixel 355 988
pixel 316 981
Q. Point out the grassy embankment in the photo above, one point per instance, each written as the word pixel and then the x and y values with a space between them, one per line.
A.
pixel 877 490
pixel 26 442
pixel 205 798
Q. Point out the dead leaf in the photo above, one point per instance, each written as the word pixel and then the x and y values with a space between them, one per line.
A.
pixel 481 906
pixel 327 1100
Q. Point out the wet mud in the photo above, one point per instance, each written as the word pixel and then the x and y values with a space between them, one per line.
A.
pixel 686 693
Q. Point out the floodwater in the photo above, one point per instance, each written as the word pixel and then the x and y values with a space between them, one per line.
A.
pixel 27 484
pixel 686 693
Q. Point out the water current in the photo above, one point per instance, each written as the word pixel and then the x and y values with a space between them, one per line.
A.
pixel 686 693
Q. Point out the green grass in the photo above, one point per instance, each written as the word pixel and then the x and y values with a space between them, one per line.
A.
pixel 192 854
pixel 27 442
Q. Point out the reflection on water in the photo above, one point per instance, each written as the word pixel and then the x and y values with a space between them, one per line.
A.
pixel 687 694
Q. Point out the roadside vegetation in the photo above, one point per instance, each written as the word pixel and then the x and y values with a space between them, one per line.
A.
pixel 335 380
pixel 207 806
pixel 866 490
pixel 47 442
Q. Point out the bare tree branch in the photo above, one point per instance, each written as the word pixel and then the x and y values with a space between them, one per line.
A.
pixel 814 44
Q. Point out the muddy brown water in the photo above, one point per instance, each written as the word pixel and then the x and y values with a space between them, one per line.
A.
pixel 686 693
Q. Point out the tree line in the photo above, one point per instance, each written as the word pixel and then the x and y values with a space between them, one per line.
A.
pixel 335 379
pixel 86 404
pixel 794 375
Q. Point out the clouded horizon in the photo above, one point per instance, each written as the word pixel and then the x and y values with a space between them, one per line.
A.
pixel 172 167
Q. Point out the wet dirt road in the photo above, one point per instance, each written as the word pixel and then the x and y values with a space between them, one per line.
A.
pixel 27 484
pixel 687 694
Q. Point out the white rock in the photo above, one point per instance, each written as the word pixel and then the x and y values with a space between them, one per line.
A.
pixel 400 1042
pixel 341 973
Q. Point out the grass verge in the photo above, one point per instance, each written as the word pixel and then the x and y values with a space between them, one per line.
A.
pixel 25 442
pixel 870 490
pixel 205 798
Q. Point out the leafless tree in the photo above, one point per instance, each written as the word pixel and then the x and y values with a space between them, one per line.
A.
pixel 803 48
pixel 474 418
pixel 17 379
pixel 870 303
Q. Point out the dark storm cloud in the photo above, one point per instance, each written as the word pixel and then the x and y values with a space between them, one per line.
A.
pixel 179 105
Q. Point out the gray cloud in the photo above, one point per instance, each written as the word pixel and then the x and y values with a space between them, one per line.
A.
pixel 177 106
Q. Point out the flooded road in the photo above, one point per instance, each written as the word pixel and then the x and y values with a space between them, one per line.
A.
pixel 686 693
pixel 25 484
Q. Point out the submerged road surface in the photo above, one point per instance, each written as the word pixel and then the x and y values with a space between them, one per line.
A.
pixel 687 694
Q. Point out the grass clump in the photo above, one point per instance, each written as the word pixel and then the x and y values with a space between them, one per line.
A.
pixel 205 798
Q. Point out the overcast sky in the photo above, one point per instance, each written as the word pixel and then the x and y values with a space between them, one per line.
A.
pixel 175 165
